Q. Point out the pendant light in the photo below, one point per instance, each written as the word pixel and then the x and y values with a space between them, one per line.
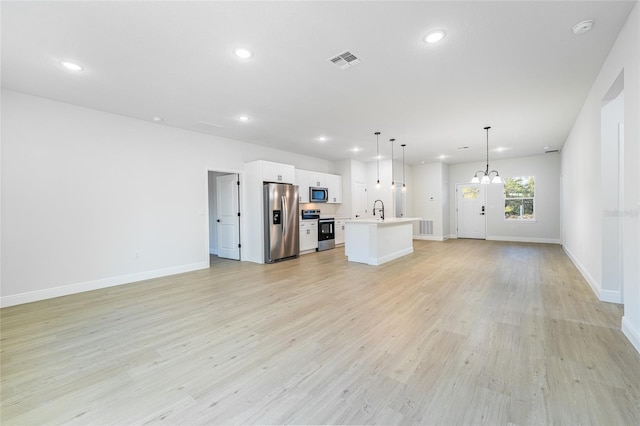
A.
pixel 404 180
pixel 393 183
pixel 483 176
pixel 378 158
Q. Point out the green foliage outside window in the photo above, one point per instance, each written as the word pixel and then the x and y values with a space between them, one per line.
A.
pixel 519 196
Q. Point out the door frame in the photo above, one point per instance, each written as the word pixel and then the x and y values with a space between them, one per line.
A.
pixel 486 209
pixel 240 174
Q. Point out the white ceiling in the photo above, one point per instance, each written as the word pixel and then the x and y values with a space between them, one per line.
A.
pixel 516 66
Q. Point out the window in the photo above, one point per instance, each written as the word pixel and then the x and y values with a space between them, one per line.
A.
pixel 519 199
pixel 470 192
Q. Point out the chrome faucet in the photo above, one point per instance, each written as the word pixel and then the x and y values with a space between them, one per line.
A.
pixel 380 210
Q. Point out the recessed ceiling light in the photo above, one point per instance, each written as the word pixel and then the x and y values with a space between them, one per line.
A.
pixel 322 138
pixel 547 147
pixel 157 119
pixel 434 36
pixel 582 27
pixel 242 53
pixel 355 149
pixel 243 118
pixel 72 66
pixel 442 157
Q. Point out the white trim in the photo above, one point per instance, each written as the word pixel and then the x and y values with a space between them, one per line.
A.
pixel 610 296
pixel 376 261
pixel 602 295
pixel 524 239
pixel 453 236
pixel 632 334
pixel 65 290
pixel 430 237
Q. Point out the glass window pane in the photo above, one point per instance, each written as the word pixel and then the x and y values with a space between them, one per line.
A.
pixel 519 187
pixel 470 192
pixel 519 209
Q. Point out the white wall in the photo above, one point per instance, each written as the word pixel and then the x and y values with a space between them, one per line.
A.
pixel 546 170
pixel 581 171
pixel 430 198
pixel 343 168
pixel 91 199
pixel 384 192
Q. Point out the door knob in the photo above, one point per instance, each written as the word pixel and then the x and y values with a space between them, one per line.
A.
pixel 218 220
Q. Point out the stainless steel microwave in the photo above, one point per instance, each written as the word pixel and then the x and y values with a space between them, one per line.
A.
pixel 318 195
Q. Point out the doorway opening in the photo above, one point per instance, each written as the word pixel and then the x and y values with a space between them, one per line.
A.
pixel 612 180
pixel 224 216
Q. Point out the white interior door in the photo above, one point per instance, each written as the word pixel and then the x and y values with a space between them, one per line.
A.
pixel 228 219
pixel 359 200
pixel 470 206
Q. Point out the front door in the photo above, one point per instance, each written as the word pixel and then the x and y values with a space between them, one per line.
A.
pixel 471 208
pixel 228 219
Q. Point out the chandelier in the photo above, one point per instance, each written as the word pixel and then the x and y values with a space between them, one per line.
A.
pixel 483 176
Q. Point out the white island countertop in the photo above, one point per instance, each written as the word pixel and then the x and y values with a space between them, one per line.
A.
pixel 375 241
pixel 388 221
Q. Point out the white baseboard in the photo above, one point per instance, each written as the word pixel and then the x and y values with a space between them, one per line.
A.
pixel 65 290
pixel 524 239
pixel 389 257
pixel 453 236
pixel 602 295
pixel 429 237
pixel 632 334
pixel 610 296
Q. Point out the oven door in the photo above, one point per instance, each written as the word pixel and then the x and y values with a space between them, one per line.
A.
pixel 326 234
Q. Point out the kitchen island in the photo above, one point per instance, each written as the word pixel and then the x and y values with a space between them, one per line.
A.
pixel 375 242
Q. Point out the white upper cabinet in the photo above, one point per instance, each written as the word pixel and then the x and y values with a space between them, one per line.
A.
pixel 306 179
pixel 334 183
pixel 318 180
pixel 302 180
pixel 277 172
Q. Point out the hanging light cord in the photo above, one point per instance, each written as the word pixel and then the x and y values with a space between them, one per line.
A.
pixel 404 181
pixel 378 155
pixel 393 181
pixel 487 129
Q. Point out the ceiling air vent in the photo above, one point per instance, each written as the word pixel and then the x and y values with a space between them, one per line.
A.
pixel 551 150
pixel 344 60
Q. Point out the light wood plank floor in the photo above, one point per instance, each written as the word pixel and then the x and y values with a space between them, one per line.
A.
pixel 460 332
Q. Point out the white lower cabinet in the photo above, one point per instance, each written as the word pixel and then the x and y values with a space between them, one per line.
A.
pixel 339 234
pixel 308 235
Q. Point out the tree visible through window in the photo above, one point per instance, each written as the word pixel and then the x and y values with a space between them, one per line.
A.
pixel 519 198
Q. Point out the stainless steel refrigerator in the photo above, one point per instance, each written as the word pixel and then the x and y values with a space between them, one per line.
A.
pixel 281 222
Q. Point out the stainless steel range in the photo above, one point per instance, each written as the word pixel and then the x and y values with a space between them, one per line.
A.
pixel 326 229
pixel 326 233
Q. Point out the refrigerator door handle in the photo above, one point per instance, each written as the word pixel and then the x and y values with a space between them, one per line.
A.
pixel 283 201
